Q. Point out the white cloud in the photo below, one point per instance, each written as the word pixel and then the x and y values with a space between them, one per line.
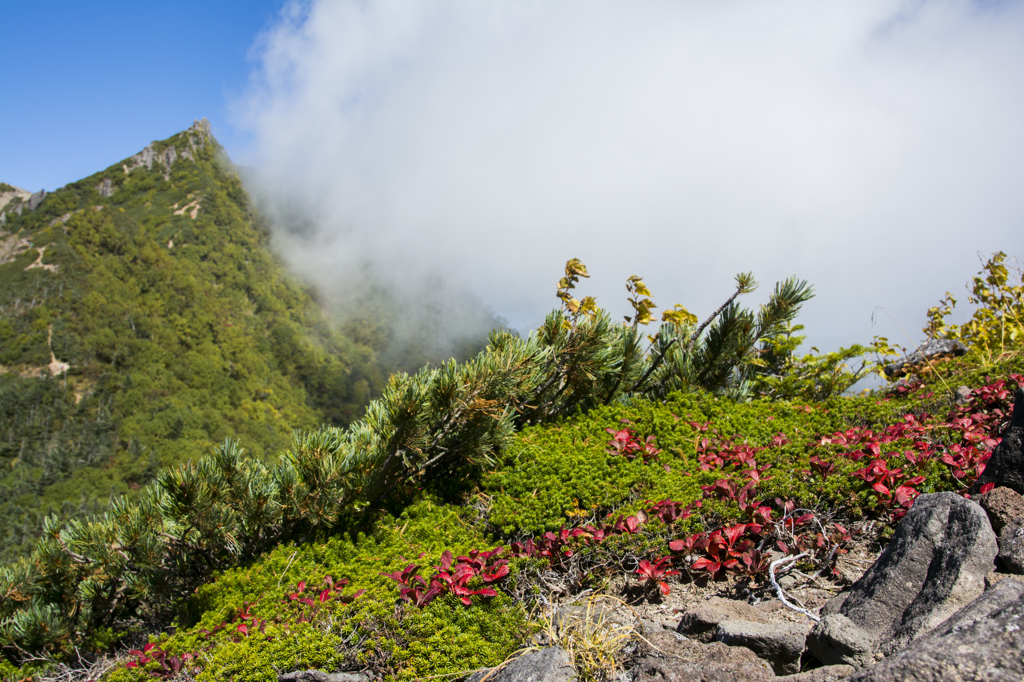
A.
pixel 871 147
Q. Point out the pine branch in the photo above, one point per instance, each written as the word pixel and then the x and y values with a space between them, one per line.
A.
pixel 745 284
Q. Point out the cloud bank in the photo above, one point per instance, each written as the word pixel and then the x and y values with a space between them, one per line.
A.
pixel 871 147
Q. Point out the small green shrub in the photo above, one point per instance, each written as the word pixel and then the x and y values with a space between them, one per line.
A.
pixel 375 629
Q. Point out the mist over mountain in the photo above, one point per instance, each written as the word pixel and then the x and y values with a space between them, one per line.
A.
pixel 679 141
pixel 422 311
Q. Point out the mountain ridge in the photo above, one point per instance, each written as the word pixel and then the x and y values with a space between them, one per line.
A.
pixel 143 318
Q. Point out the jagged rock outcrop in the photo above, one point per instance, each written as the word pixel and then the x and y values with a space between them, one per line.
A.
pixel 935 564
pixel 36 199
pixel 984 641
pixel 198 136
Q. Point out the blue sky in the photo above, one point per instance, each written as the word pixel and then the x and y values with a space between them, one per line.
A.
pixel 89 83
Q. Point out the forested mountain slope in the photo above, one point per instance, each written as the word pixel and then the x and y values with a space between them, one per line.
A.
pixel 143 319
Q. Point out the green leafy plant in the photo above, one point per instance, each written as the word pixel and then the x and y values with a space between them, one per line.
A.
pixel 996 328
pixel 813 377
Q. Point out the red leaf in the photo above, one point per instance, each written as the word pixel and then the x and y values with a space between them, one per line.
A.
pixel 664 588
pixel 499 573
pixel 987 487
pixel 734 533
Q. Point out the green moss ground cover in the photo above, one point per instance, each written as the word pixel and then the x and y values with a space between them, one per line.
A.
pixel 375 628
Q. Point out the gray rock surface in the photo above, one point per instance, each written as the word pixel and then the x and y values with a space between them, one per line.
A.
pixel 828 673
pixel 105 188
pixel 321 676
pixel 678 659
pixel 1006 466
pixel 780 644
pixel 934 565
pixel 700 621
pixel 36 199
pixel 990 648
pixel 997 597
pixel 551 664
pixel 837 640
pixel 933 348
pixel 1011 547
pixel 1003 506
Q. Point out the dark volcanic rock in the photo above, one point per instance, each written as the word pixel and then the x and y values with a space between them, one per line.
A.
pixel 1011 547
pixel 933 348
pixel 1003 506
pixel 989 648
pixel 935 564
pixel 1006 466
